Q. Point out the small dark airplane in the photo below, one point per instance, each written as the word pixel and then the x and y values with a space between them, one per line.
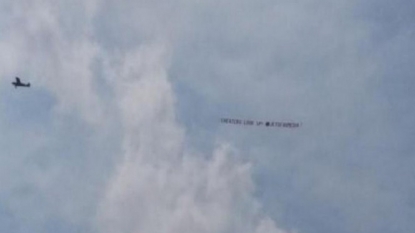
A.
pixel 17 83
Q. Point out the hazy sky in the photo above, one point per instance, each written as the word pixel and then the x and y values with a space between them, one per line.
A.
pixel 120 130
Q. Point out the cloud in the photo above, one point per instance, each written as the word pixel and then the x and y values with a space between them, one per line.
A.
pixel 159 184
pixel 146 179
pixel 120 128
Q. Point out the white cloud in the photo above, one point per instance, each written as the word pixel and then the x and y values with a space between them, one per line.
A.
pixel 159 186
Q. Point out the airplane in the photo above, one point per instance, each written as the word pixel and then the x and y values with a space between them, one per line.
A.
pixel 17 83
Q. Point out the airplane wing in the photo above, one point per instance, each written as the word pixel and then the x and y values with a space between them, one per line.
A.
pixel 17 80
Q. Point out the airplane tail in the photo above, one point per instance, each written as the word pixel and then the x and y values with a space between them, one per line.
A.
pixel 28 84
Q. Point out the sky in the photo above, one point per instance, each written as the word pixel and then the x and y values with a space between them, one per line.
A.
pixel 120 130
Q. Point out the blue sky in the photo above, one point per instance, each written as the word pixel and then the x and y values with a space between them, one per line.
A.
pixel 120 131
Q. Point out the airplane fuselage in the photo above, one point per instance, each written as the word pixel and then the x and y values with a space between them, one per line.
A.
pixel 16 84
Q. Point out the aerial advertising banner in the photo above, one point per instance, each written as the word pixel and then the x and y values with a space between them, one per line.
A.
pixel 279 124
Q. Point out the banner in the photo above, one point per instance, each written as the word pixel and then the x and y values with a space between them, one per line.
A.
pixel 279 124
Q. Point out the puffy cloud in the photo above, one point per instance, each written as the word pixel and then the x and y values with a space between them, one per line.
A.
pixel 159 185
pixel 155 181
